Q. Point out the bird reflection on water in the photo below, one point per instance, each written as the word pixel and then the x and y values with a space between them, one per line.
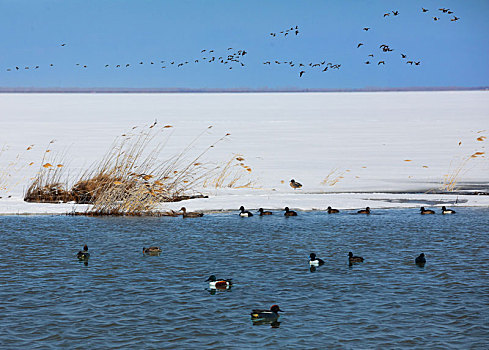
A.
pixel 214 291
pixel 261 322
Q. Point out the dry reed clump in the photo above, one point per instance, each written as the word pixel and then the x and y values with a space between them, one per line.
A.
pixel 131 179
pixel 48 186
pixel 51 193
pixel 86 191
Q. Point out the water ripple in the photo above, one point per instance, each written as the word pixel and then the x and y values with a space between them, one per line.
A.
pixel 124 299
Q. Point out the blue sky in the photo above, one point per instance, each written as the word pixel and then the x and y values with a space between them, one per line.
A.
pixel 97 33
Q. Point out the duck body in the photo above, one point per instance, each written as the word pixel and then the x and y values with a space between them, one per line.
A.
pixel 420 260
pixel 262 212
pixel 294 184
pixel 445 211
pixel 244 213
pixel 152 250
pixel 354 259
pixel 83 254
pixel 217 283
pixel 261 314
pixel 332 211
pixel 190 214
pixel 315 261
pixel 289 212
pixel 364 211
pixel 424 211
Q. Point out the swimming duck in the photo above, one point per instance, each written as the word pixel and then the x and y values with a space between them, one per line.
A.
pixel 244 213
pixel 315 261
pixel 420 260
pixel 354 259
pixel 426 211
pixel 294 184
pixel 332 211
pixel 289 212
pixel 152 250
pixel 364 211
pixel 272 314
pixel 83 255
pixel 219 283
pixel 190 214
pixel 262 212
pixel 447 211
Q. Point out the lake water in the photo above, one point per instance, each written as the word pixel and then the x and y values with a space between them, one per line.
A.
pixel 123 299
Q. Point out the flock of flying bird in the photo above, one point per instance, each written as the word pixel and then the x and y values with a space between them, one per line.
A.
pixel 234 57
pixel 386 49
pixel 231 56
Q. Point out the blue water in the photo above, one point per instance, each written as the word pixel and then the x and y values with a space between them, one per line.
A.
pixel 123 299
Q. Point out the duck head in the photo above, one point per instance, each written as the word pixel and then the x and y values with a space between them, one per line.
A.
pixel 275 308
pixel 241 208
pixel 350 254
pixel 212 278
pixel 312 256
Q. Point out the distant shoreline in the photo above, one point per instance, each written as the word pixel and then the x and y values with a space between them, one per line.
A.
pixel 230 90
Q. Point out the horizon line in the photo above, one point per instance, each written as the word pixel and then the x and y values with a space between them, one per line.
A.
pixel 231 90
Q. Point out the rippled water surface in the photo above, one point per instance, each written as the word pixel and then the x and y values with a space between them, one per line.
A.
pixel 123 299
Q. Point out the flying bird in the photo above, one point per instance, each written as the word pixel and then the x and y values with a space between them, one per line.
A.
pixel 366 29
pixel 395 13
pixel 454 19
pixel 424 10
pixel 300 73
pixel 381 62
pixel 360 44
pixel 435 18
pixel 387 14
pixel 403 55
